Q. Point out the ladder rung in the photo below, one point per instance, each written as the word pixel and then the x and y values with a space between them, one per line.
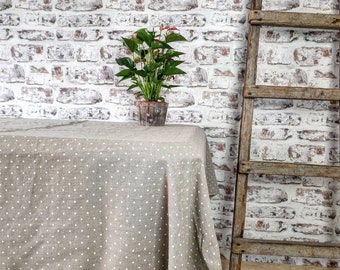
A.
pixel 262 91
pixel 288 248
pixel 294 19
pixel 280 168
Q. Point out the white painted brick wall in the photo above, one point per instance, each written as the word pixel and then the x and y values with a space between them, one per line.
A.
pixel 57 60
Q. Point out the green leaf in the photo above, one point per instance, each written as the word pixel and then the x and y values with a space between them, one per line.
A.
pixel 160 45
pixel 132 86
pixel 171 53
pixel 173 71
pixel 145 35
pixel 153 66
pixel 169 86
pixel 131 44
pixel 143 53
pixel 141 73
pixel 171 37
pixel 174 63
pixel 125 73
pixel 125 61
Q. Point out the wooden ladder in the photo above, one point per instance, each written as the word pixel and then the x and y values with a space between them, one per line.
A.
pixel 241 245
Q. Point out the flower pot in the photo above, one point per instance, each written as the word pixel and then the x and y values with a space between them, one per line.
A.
pixel 152 113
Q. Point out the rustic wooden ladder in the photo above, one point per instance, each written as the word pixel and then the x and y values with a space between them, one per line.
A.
pixel 241 245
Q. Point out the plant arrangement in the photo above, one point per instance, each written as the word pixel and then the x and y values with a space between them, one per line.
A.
pixel 152 62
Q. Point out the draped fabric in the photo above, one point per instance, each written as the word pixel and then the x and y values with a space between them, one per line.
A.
pixel 100 195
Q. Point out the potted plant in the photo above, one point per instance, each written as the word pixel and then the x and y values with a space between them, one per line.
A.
pixel 151 63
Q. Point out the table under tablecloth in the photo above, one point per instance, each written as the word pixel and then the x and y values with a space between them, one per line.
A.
pixel 101 195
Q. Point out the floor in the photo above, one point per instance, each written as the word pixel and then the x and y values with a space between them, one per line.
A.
pixel 261 266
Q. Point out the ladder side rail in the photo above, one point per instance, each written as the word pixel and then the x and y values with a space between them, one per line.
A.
pixel 244 142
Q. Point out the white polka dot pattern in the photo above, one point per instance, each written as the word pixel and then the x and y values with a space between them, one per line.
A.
pixel 101 196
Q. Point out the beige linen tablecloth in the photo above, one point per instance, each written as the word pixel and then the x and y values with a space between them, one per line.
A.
pixel 98 195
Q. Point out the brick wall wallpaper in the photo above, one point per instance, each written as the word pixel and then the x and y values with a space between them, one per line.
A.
pixel 57 60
